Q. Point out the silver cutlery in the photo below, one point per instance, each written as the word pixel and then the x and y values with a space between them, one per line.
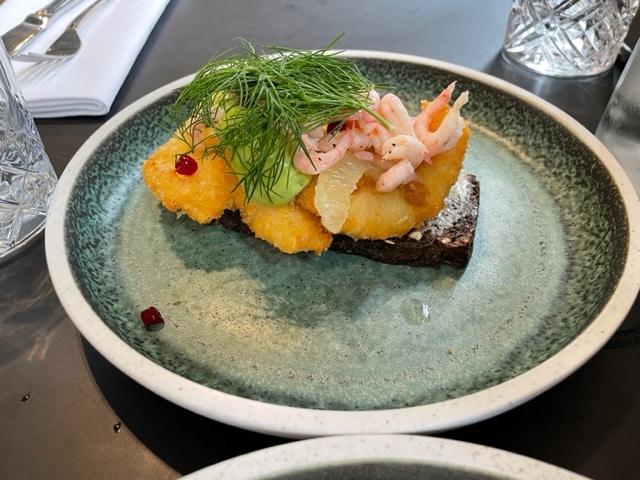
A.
pixel 67 45
pixel 20 35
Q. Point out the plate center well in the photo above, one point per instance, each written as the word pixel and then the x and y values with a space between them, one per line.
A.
pixel 340 332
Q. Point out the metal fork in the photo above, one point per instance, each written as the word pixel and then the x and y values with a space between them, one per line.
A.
pixel 66 46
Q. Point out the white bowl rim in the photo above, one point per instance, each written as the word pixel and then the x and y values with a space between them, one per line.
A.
pixel 296 422
pixel 317 453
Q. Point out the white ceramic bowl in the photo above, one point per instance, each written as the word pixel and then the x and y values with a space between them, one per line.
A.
pixel 401 457
pixel 302 345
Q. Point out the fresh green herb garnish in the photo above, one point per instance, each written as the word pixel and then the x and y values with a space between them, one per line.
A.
pixel 260 104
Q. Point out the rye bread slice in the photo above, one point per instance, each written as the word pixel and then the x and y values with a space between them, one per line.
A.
pixel 445 239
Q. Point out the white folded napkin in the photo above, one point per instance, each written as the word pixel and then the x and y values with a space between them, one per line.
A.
pixel 112 36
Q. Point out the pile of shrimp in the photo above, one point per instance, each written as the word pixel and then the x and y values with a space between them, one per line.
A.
pixel 403 175
pixel 398 151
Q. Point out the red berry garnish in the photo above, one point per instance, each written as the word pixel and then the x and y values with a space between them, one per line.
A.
pixel 152 319
pixel 186 165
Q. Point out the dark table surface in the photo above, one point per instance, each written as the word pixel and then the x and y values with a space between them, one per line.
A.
pixel 65 412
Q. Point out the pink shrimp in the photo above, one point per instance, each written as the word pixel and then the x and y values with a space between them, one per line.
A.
pixel 401 173
pixel 403 147
pixel 397 151
pixel 423 119
pixel 362 116
pixel 370 133
pixel 377 135
pixel 408 153
pixel 323 153
pixel 393 110
pixel 449 131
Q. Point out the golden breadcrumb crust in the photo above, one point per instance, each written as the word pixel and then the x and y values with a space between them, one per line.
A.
pixel 296 227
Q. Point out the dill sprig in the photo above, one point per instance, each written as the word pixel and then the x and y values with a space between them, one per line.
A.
pixel 267 100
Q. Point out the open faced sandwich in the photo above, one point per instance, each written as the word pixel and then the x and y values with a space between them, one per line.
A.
pixel 299 149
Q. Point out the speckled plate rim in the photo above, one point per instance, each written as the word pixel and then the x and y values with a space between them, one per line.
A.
pixel 296 422
pixel 307 456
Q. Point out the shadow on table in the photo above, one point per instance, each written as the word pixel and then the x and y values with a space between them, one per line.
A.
pixel 583 98
pixel 182 439
pixel 30 310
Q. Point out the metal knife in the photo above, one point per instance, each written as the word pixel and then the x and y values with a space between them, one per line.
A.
pixel 20 35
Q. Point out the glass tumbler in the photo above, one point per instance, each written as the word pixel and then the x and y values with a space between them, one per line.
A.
pixel 567 38
pixel 619 127
pixel 27 178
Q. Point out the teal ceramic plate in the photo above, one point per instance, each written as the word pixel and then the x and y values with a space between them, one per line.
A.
pixel 365 457
pixel 299 345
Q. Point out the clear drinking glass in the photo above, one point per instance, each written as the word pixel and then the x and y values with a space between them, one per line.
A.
pixel 567 38
pixel 619 127
pixel 27 178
